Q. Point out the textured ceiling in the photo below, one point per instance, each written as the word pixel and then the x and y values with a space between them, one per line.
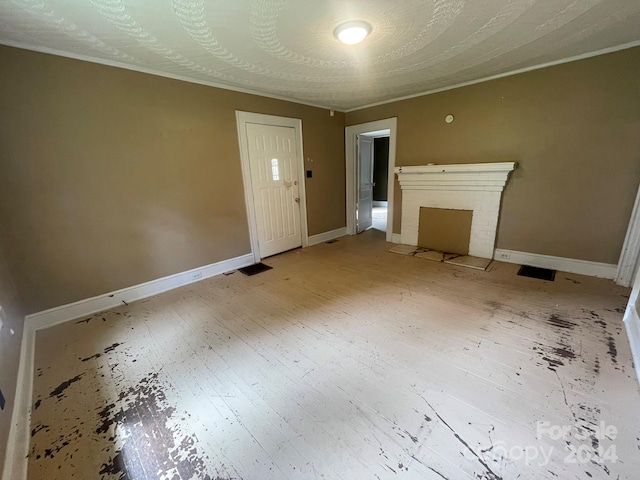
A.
pixel 287 49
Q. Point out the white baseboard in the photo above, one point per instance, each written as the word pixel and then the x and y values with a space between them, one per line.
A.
pixel 53 316
pixel 395 238
pixel 326 236
pixel 632 324
pixel 571 265
pixel 15 467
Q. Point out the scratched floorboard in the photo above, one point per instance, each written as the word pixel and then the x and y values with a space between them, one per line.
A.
pixel 343 362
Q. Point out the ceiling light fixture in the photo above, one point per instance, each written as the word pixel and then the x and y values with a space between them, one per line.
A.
pixel 351 33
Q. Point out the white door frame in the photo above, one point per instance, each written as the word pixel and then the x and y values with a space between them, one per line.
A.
pixel 630 255
pixel 242 118
pixel 370 141
pixel 351 161
pixel 632 323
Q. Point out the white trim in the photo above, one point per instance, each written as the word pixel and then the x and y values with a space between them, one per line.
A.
pixel 54 316
pixel 378 134
pixel 632 324
pixel 575 58
pixel 326 236
pixel 630 254
pixel 248 189
pixel 351 132
pixel 436 170
pixel 15 466
pixel 242 118
pixel 136 68
pixel 158 73
pixel 15 463
pixel 395 237
pixel 571 265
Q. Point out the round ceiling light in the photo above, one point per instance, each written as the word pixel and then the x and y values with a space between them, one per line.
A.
pixel 351 33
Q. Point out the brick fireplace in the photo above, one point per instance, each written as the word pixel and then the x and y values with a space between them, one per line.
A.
pixel 476 186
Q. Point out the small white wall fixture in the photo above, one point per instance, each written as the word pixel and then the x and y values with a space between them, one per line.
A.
pixel 477 187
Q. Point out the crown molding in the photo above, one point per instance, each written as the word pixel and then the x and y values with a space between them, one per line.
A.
pixel 575 58
pixel 149 71
pixel 158 73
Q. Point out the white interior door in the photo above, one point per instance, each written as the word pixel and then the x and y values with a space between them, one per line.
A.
pixel 276 187
pixel 364 209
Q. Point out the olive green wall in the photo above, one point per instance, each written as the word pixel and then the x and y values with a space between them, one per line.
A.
pixel 574 130
pixel 113 177
pixel 116 177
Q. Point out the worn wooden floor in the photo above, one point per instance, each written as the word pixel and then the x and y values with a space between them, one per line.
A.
pixel 344 362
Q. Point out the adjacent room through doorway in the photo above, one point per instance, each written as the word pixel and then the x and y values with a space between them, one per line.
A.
pixel 373 174
pixel 354 134
pixel 380 180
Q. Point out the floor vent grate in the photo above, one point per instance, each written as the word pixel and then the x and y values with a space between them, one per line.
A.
pixel 536 272
pixel 255 269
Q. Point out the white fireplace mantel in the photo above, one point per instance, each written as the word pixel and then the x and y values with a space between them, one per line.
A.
pixel 472 176
pixel 475 186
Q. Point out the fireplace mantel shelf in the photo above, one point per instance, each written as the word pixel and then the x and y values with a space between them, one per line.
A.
pixel 471 176
pixel 458 168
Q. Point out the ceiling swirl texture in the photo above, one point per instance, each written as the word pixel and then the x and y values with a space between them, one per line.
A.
pixel 287 49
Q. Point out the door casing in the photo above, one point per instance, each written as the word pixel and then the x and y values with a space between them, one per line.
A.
pixel 628 265
pixel 351 162
pixel 363 140
pixel 242 118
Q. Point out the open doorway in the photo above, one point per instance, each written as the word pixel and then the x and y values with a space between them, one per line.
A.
pixel 357 211
pixel 373 173
pixel 380 182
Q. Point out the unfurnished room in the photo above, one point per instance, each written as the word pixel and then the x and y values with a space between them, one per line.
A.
pixel 343 239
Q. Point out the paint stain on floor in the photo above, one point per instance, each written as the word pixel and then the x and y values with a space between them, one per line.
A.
pixel 141 422
pixel 349 365
pixel 140 433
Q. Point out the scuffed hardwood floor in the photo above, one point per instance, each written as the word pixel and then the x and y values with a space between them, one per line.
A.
pixel 344 362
